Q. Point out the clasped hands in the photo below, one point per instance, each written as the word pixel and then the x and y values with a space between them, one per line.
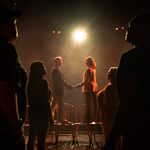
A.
pixel 76 86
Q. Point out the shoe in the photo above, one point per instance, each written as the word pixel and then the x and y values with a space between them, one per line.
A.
pixel 66 122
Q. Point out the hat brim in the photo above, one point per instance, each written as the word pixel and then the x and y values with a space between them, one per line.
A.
pixel 6 12
pixel 16 13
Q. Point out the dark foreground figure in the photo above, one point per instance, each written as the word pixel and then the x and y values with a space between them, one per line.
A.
pixel 12 84
pixel 133 78
pixel 39 94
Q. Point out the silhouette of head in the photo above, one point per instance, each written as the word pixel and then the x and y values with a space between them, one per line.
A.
pixel 38 69
pixel 138 31
pixel 8 28
pixel 7 13
pixel 111 74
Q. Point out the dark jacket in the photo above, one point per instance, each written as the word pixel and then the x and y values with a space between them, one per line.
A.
pixel 58 82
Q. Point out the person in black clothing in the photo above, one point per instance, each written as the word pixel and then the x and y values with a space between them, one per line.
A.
pixel 133 79
pixel 58 84
pixel 12 83
pixel 39 94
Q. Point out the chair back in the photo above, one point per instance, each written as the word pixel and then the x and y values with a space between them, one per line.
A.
pixel 69 112
pixel 80 113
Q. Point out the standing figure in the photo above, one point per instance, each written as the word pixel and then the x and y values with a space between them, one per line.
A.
pixel 133 79
pixel 108 101
pixel 58 84
pixel 12 83
pixel 89 89
pixel 39 93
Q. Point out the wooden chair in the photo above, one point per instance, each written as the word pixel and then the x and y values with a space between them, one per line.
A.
pixel 92 128
pixel 80 113
pixel 67 128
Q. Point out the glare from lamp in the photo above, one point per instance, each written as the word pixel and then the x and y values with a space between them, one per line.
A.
pixel 79 35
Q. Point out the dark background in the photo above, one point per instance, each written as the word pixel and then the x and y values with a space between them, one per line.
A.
pixel 99 17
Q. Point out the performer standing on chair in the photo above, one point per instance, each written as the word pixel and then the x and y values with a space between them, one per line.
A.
pixel 58 84
pixel 89 88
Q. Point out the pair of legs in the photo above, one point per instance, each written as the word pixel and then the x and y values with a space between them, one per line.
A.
pixel 38 129
pixel 91 102
pixel 58 103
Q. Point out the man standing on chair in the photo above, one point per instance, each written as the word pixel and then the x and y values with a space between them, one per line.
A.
pixel 58 84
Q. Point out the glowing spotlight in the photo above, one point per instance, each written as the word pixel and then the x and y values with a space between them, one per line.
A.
pixel 53 31
pixel 79 35
pixel 59 32
pixel 116 28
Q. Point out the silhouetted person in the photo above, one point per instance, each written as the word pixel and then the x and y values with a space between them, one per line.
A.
pixel 12 83
pixel 89 89
pixel 133 78
pixel 39 93
pixel 108 101
pixel 58 85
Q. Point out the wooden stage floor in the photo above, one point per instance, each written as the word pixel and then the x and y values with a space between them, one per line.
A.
pixel 65 142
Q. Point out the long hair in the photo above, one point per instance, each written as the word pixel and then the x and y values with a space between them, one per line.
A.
pixel 37 70
pixel 90 62
pixel 111 74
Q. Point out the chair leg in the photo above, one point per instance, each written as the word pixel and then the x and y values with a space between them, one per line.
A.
pixel 90 133
pixel 56 134
pixel 74 137
pixel 94 134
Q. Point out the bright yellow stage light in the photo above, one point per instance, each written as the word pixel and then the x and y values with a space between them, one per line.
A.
pixel 79 35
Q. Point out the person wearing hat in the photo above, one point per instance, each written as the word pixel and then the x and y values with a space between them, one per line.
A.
pixel 12 83
pixel 132 122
